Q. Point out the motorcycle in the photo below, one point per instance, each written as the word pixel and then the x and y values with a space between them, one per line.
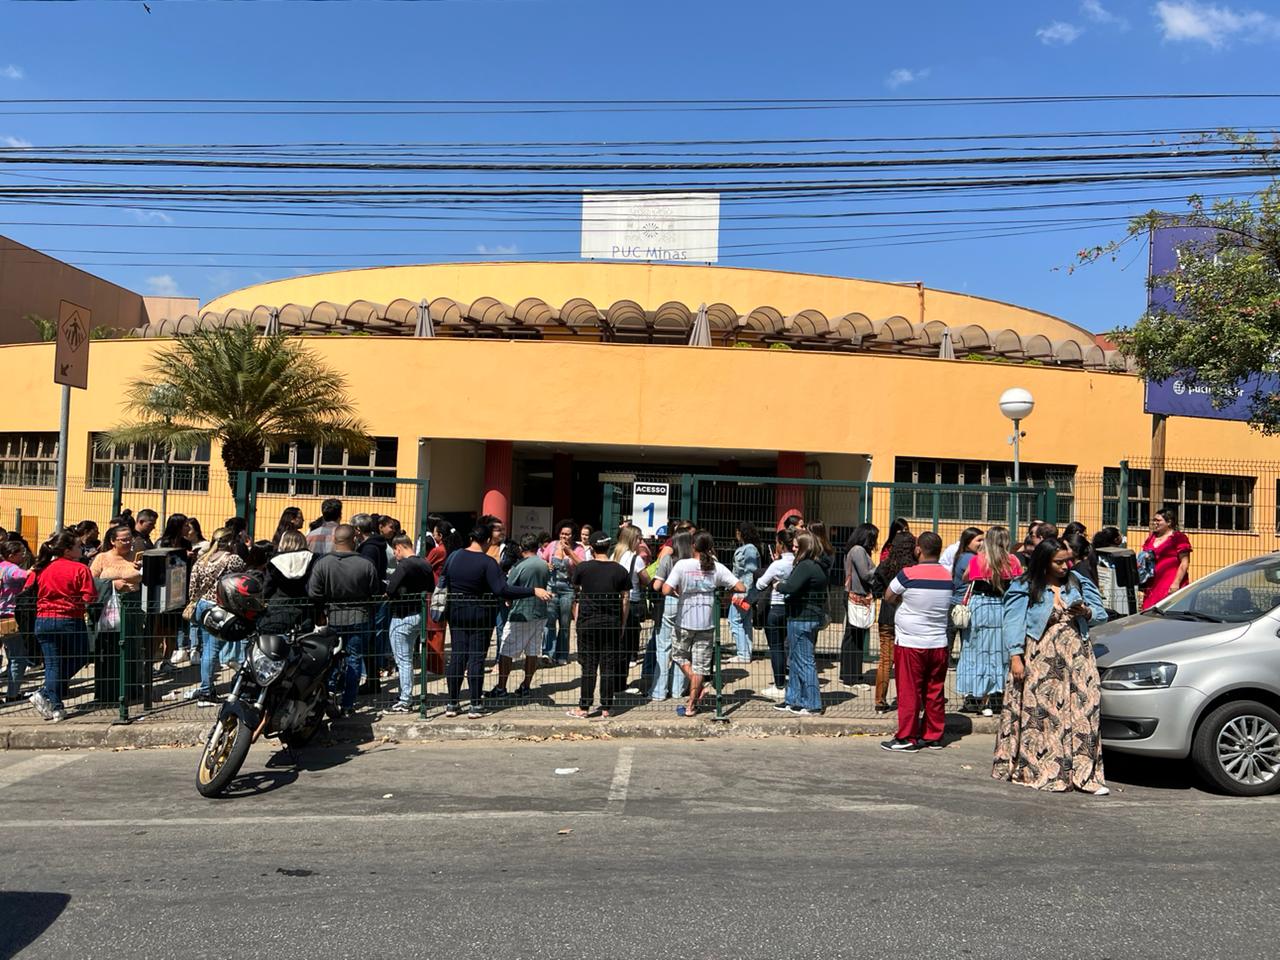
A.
pixel 281 690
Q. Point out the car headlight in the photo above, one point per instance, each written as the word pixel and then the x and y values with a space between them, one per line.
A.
pixel 1139 676
pixel 265 668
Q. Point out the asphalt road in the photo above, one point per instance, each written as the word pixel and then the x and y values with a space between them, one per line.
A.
pixel 772 848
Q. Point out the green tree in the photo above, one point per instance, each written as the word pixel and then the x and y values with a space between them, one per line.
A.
pixel 47 330
pixel 252 393
pixel 1225 325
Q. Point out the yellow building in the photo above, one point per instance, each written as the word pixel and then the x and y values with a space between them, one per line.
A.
pixel 549 387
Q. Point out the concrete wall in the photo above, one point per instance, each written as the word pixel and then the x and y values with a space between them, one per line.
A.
pixel 31 282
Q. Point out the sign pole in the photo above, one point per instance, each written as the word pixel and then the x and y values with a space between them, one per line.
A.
pixel 1159 443
pixel 60 506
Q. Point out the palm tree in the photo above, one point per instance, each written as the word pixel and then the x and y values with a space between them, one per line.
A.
pixel 47 330
pixel 251 392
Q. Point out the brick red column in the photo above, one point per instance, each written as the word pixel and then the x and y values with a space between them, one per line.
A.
pixel 790 464
pixel 497 479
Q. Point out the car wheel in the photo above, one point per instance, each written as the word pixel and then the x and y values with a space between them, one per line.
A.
pixel 1237 748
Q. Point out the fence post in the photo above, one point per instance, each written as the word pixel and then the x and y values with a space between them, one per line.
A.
pixel 864 503
pixel 422 636
pixel 937 508
pixel 126 622
pixel 609 509
pixel 689 491
pixel 715 655
pixel 1051 505
pixel 1122 501
pixel 242 495
pixel 422 517
pixel 117 489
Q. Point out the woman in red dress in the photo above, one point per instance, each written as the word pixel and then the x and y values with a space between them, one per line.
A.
pixel 1172 551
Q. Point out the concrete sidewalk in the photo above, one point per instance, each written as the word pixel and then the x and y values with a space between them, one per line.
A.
pixel 40 735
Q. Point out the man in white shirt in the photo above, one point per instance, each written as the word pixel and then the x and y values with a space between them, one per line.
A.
pixel 922 593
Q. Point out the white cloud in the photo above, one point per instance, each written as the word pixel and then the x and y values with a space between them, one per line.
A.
pixel 902 76
pixel 1095 11
pixel 163 285
pixel 501 249
pixel 151 216
pixel 16 142
pixel 1186 20
pixel 1059 33
pixel 12 72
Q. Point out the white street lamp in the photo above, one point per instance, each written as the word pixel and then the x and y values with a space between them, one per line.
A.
pixel 1017 404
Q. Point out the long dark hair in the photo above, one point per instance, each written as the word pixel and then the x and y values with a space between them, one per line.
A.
pixel 450 539
pixel 288 521
pixel 866 536
pixel 902 554
pixel 1038 566
pixel 1107 537
pixel 682 545
pixel 750 536
pixel 175 530
pixel 53 548
pixel 898 526
pixel 705 546
pixel 819 531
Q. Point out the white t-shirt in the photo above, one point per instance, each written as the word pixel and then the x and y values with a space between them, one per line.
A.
pixel 948 558
pixel 697 587
pixel 778 571
pixel 920 622
pixel 633 563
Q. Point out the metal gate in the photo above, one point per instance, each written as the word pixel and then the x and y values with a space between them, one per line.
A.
pixel 268 492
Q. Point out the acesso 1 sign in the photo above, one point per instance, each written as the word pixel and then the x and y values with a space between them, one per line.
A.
pixel 681 227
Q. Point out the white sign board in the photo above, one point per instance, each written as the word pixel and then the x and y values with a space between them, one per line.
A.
pixel 651 226
pixel 534 520
pixel 649 507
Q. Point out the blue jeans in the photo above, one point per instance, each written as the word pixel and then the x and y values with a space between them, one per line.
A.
pixel 665 670
pixel 210 646
pixel 555 642
pixel 740 630
pixel 64 644
pixel 404 633
pixel 15 646
pixel 802 686
pixel 357 636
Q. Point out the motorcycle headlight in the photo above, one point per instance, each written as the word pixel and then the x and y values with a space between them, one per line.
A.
pixel 1139 676
pixel 265 668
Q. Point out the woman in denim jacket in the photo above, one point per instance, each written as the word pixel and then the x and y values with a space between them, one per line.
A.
pixel 1050 728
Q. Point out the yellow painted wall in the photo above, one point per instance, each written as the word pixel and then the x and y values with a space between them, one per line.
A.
pixel 650 285
pixel 671 397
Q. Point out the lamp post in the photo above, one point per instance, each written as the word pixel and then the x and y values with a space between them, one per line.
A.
pixel 1017 404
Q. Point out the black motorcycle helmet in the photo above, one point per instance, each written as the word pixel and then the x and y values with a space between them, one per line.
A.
pixel 241 594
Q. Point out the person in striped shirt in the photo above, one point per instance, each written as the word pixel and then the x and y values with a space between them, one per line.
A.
pixel 922 595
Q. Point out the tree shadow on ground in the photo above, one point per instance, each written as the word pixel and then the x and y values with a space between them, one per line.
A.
pixel 27 915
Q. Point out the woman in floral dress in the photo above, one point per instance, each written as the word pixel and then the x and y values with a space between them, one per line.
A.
pixel 1050 729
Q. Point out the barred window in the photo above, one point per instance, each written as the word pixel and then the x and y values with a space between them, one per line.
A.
pixel 980 506
pixel 344 474
pixel 1201 501
pixel 143 466
pixel 28 459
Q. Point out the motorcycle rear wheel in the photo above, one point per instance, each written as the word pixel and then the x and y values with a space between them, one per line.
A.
pixel 225 749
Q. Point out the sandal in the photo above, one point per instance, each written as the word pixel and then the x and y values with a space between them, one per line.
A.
pixel 684 711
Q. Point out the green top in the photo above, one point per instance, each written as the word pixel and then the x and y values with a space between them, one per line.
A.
pixel 529 572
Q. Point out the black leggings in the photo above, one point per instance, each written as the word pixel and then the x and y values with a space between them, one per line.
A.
pixel 600 651
pixel 775 631
pixel 467 648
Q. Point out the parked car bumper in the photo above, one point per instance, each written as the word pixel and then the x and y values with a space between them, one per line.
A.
pixel 1155 723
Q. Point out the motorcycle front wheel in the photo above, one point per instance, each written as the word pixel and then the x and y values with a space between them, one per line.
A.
pixel 225 749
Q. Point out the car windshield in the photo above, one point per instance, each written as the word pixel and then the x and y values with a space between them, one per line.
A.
pixel 1237 594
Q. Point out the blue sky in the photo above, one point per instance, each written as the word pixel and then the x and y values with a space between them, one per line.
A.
pixel 557 49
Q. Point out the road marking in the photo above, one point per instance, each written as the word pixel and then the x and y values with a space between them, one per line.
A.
pixel 621 776
pixel 35 767
pixel 418 817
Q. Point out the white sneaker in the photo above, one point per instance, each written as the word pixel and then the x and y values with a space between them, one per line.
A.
pixel 180 658
pixel 739 660
pixel 632 690
pixel 774 692
pixel 1102 792
pixel 41 705
pixel 986 712
pixel 57 716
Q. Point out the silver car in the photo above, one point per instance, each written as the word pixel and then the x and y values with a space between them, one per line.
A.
pixel 1199 675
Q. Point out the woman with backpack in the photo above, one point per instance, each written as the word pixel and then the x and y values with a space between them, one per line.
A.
pixel 775 629
pixel 1050 736
pixel 64 590
pixel 805 595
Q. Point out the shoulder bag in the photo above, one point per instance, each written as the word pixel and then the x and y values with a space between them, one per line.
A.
pixel 440 595
pixel 961 615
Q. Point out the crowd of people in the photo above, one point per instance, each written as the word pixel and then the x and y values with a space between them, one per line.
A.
pixel 1018 613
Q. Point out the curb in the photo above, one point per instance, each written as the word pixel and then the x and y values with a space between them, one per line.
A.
pixel 141 735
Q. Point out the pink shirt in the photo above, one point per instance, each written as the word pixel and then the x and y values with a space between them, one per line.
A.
pixel 980 570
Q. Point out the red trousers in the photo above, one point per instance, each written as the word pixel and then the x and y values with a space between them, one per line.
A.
pixel 922 677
